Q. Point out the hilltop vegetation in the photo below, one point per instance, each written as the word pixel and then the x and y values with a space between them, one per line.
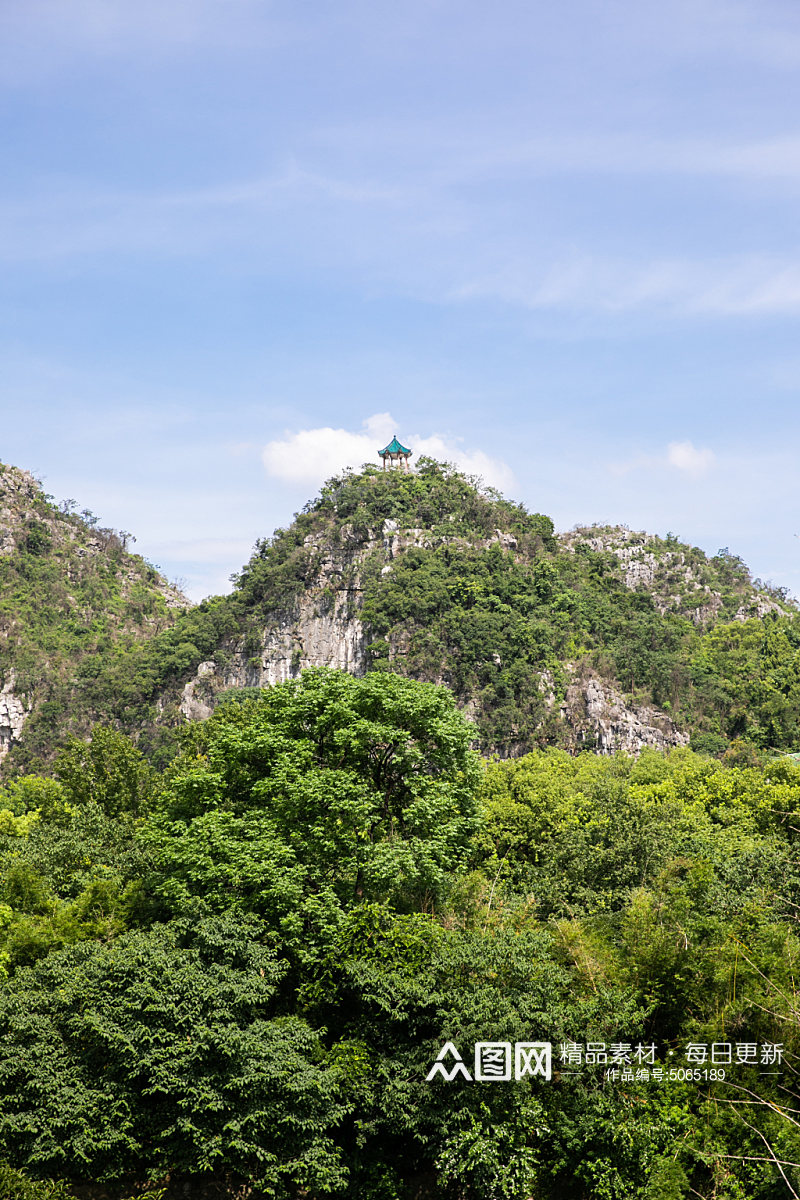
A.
pixel 451 584
pixel 71 596
pixel 481 595
pixel 484 597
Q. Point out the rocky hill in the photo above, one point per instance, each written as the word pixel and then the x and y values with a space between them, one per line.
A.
pixel 601 638
pixel 682 579
pixel 71 597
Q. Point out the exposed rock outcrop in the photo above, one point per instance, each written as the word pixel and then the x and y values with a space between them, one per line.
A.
pixel 603 721
pixel 476 596
pixel 322 628
pixel 25 511
pixel 71 592
pixel 18 494
pixel 676 576
pixel 304 638
pixel 13 714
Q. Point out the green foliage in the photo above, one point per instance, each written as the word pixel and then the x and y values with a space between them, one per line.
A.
pixel 667 1181
pixel 71 598
pixel 108 771
pixel 69 871
pixel 747 680
pixel 491 604
pixel 247 987
pixel 161 1053
pixel 434 497
pixel 230 954
pixel 676 877
pixel 480 595
pixel 391 1012
pixel 35 798
pixel 36 539
pixel 322 792
pixel 582 833
pixel 15 1186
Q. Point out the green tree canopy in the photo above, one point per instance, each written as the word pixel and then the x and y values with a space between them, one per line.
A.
pixel 107 770
pixel 162 1054
pixel 321 793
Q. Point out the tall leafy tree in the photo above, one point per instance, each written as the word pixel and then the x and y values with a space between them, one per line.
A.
pixel 318 795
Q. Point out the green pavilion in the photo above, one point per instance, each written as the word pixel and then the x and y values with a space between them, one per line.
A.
pixel 395 454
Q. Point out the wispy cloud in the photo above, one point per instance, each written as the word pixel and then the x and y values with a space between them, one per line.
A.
pixel 309 456
pixel 736 286
pixel 417 259
pixel 68 217
pixel 41 36
pixel 65 219
pixel 685 457
pixel 420 233
pixel 766 31
pixel 500 156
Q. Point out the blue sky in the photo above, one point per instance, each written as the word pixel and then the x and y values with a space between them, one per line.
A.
pixel 240 241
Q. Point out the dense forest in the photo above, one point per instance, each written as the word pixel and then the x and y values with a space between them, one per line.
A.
pixel 234 977
pixel 341 940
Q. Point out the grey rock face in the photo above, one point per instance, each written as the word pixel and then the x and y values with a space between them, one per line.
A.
pixel 759 606
pixel 21 499
pixel 77 548
pixel 13 715
pixel 18 489
pixel 603 721
pixel 637 564
pixel 321 629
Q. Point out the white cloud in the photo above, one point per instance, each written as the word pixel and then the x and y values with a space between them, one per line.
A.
pixel 493 471
pixel 681 456
pixel 686 457
pixel 310 456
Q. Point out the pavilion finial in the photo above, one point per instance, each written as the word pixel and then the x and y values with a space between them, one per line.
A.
pixel 397 453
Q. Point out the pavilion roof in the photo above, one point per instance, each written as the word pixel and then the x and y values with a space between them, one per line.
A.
pixel 394 447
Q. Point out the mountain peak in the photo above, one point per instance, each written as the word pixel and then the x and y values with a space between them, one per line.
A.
pixel 603 637
pixel 72 595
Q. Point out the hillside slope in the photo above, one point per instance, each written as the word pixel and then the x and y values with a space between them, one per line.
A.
pixel 71 596
pixel 601 638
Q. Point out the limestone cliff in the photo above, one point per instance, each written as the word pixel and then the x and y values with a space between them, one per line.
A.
pixel 13 715
pixel 324 627
pixel 603 721
pixel 321 628
pixel 601 638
